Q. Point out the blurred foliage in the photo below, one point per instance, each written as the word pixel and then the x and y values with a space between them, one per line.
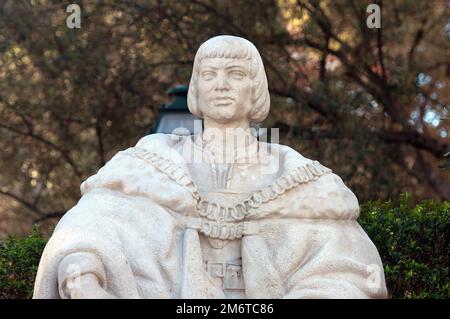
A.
pixel 414 245
pixel 365 102
pixel 413 242
pixel 19 260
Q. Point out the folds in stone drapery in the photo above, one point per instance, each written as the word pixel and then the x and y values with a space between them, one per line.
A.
pixel 131 218
pixel 261 278
pixel 195 283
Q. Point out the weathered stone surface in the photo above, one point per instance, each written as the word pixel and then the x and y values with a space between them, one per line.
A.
pixel 213 215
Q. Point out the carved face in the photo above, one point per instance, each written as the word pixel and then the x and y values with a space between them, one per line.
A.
pixel 225 89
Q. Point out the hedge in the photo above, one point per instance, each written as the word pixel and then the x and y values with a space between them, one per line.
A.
pixel 413 242
pixel 19 260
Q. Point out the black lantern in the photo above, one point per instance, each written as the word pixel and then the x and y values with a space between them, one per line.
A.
pixel 174 117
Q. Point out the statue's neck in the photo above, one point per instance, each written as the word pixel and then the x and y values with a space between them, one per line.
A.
pixel 229 141
pixel 227 136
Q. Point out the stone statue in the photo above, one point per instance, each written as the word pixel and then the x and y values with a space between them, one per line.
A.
pixel 202 217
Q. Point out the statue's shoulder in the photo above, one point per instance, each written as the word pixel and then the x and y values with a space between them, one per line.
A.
pixel 153 143
pixel 321 190
pixel 152 161
pixel 289 158
pixel 327 195
pixel 158 141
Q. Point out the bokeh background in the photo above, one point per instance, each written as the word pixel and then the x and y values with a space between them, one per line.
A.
pixel 369 103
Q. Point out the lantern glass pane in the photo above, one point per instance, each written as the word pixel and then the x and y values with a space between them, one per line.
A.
pixel 176 123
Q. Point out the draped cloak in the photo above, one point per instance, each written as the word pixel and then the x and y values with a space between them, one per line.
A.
pixel 137 227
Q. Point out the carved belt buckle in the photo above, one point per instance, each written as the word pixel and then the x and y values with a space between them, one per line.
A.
pixel 233 277
pixel 216 269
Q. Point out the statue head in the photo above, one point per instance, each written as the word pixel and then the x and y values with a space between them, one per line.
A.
pixel 228 81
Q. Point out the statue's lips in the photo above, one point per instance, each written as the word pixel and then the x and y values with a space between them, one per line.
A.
pixel 223 100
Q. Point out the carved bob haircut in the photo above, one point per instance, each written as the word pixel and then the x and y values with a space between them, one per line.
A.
pixel 231 47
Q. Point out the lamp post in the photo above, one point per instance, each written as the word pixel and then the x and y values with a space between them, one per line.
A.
pixel 174 117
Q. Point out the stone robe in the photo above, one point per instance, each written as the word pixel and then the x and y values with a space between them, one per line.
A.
pixel 137 225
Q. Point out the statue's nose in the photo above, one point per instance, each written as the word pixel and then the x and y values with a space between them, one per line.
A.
pixel 222 82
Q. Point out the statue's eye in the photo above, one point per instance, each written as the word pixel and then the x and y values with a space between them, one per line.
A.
pixel 208 75
pixel 238 75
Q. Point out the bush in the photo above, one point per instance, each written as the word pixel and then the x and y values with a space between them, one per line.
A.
pixel 19 260
pixel 413 243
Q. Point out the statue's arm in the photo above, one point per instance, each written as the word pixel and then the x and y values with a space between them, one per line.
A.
pixel 340 262
pixel 81 275
pixel 330 254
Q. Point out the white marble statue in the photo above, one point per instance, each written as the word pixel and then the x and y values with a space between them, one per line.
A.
pixel 213 215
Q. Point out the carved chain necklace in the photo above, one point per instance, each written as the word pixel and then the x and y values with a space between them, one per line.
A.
pixel 222 172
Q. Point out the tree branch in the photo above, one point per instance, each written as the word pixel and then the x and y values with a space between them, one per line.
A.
pixel 22 201
pixel 50 215
pixel 63 153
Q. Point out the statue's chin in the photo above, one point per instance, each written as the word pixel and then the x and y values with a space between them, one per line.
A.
pixel 226 119
pixel 222 113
